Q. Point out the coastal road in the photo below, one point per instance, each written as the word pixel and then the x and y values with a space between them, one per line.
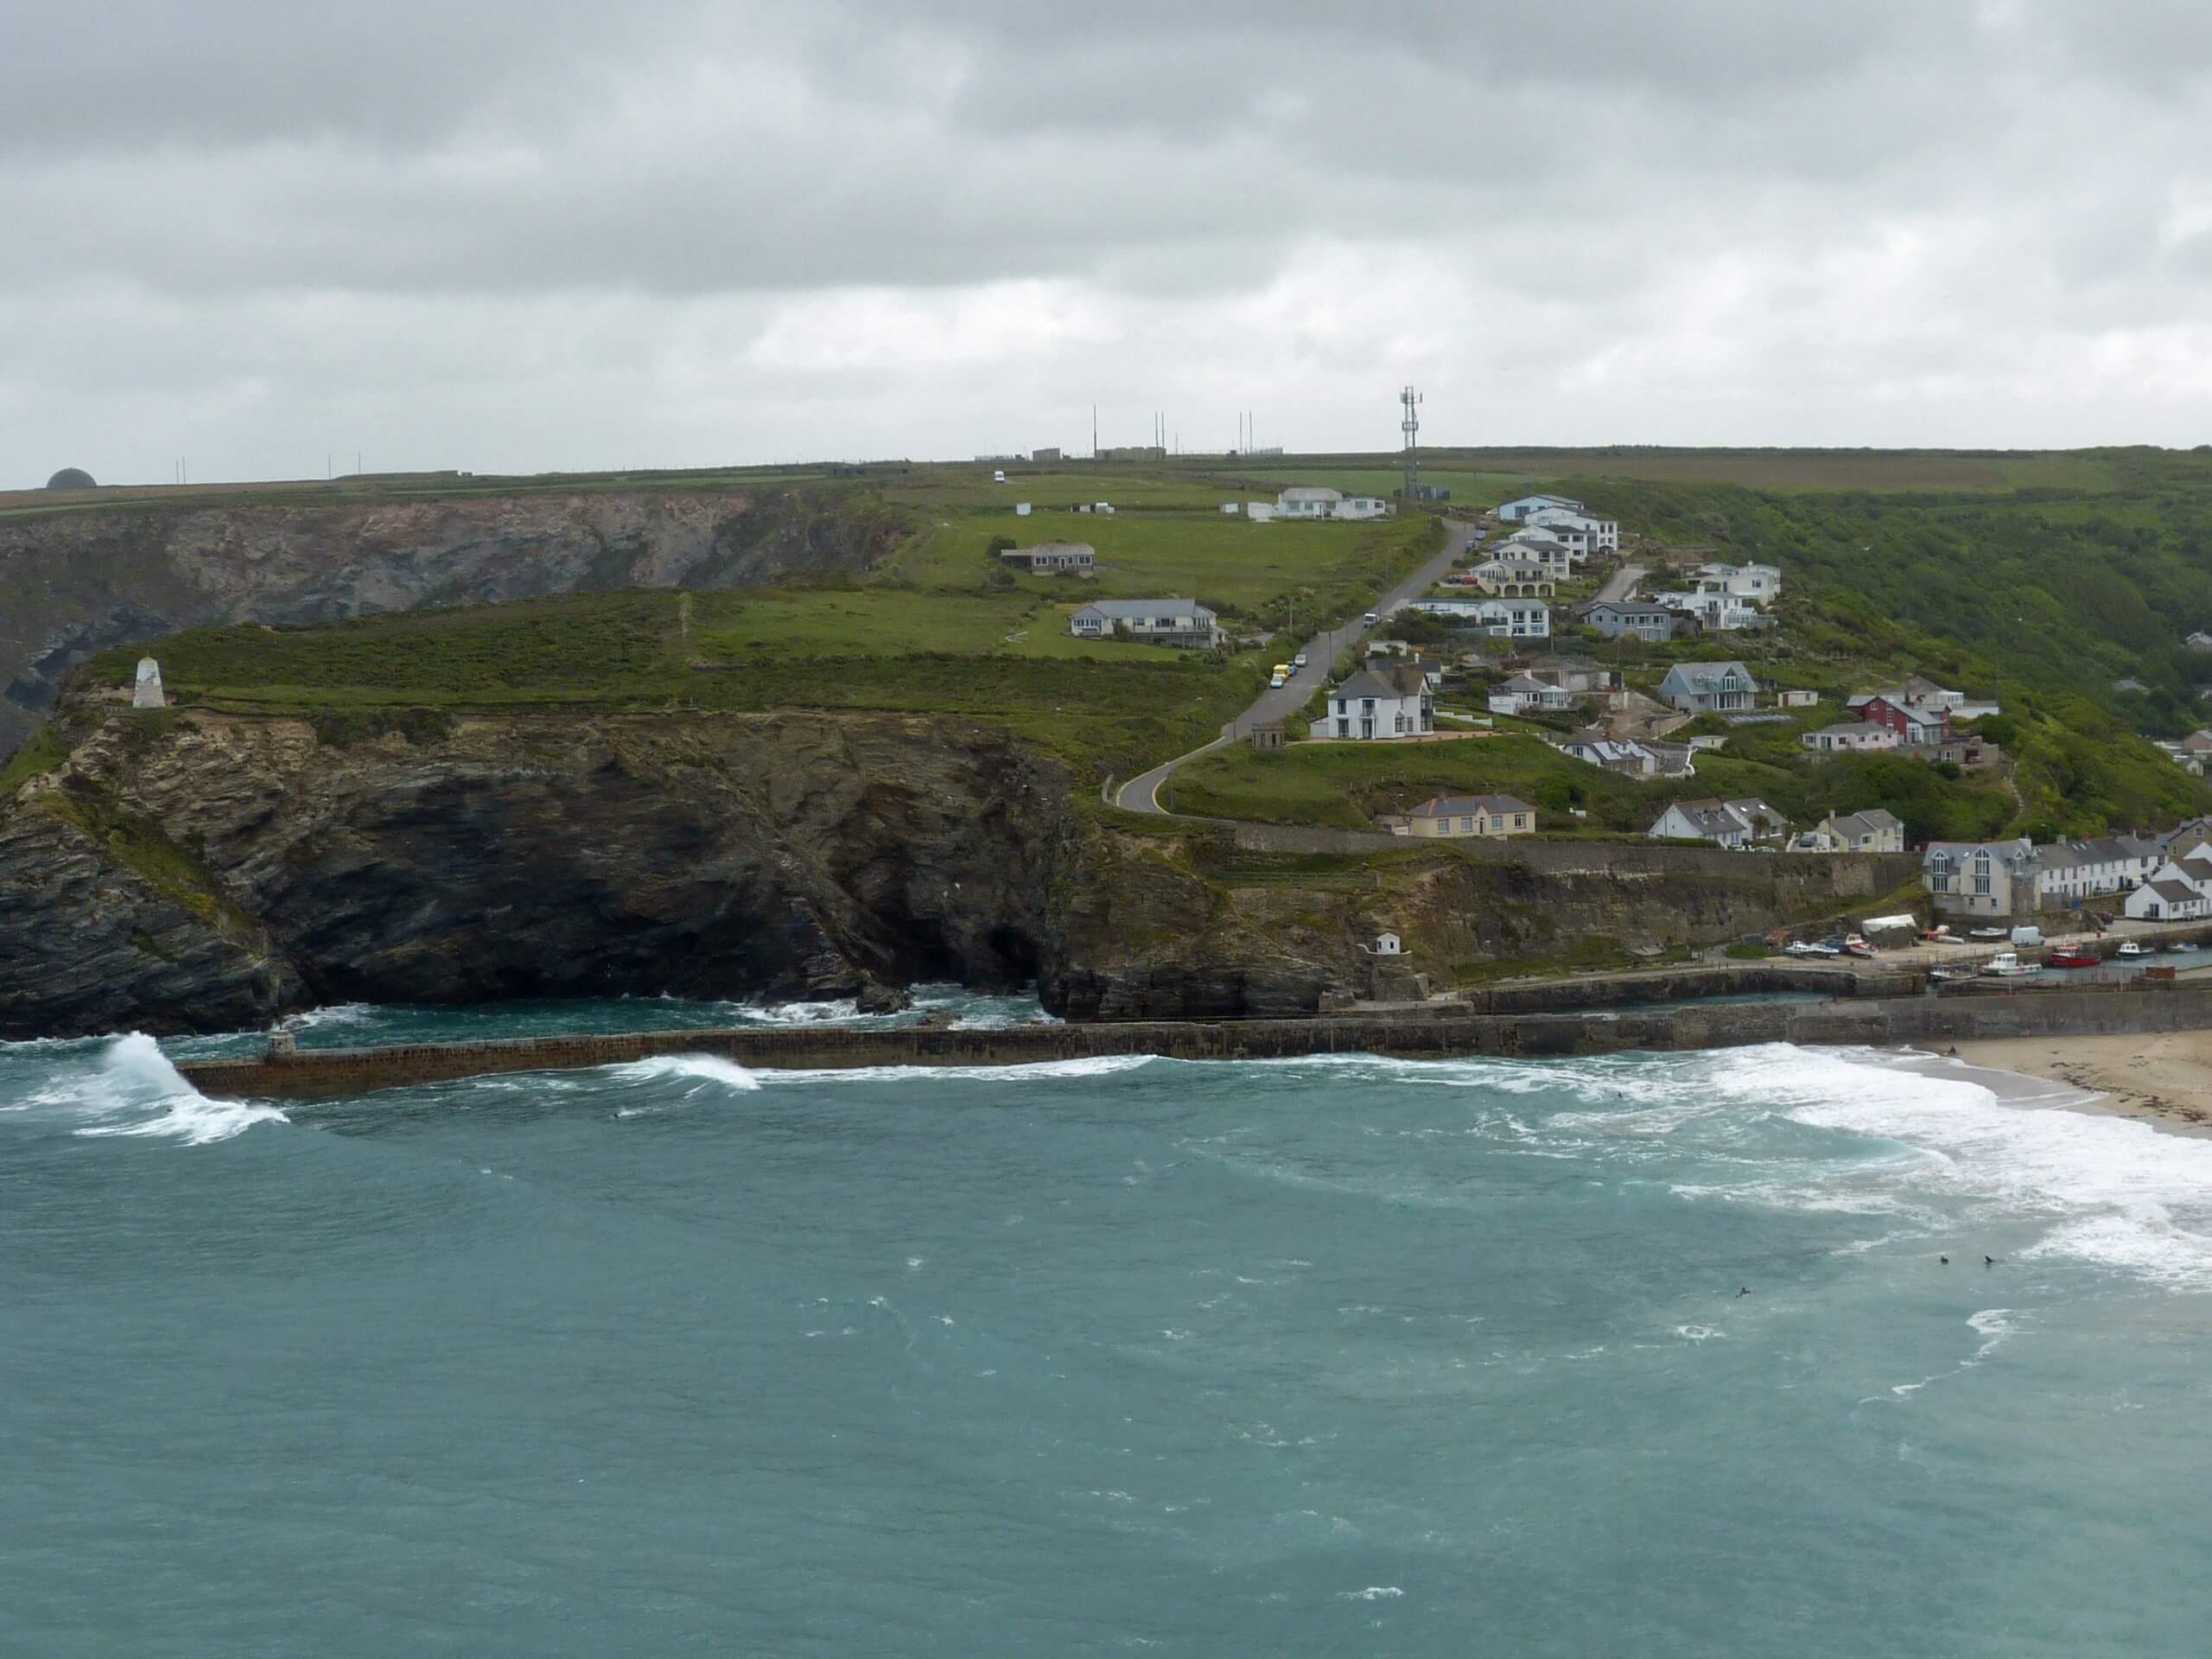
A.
pixel 1621 583
pixel 1142 793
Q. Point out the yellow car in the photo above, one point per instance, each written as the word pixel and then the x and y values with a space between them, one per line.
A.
pixel 1281 668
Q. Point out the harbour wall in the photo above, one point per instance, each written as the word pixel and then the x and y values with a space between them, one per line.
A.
pixel 1920 1020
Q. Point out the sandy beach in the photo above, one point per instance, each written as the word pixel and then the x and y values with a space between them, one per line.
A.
pixel 2164 1078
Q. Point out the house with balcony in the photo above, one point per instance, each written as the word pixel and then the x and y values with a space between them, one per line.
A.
pixel 1604 535
pixel 1708 688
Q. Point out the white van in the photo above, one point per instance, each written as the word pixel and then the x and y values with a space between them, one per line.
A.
pixel 1370 619
pixel 2030 937
pixel 998 478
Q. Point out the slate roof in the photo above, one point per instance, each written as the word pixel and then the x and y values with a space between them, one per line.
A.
pixel 1456 806
pixel 1142 607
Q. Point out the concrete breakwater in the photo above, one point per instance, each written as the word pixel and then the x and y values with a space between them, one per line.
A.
pixel 320 1073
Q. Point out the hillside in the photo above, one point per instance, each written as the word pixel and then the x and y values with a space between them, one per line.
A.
pixel 80 574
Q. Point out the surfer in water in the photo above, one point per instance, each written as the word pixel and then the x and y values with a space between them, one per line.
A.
pixel 1746 1290
pixel 1988 1261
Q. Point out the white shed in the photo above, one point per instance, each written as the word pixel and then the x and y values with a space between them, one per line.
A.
pixel 1388 945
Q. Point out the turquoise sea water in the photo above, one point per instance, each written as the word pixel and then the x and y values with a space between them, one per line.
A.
pixel 1343 1356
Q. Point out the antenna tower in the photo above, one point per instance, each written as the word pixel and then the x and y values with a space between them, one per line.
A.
pixel 1411 426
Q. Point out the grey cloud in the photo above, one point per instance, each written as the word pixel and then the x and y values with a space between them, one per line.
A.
pixel 247 219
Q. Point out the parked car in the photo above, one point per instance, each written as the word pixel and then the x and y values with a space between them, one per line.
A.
pixel 1276 681
pixel 1299 660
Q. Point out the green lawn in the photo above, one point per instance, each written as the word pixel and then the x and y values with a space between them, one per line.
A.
pixel 1243 569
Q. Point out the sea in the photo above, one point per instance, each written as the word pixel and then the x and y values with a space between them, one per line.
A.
pixel 1647 1355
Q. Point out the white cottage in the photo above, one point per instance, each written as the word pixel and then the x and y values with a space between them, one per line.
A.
pixel 1378 703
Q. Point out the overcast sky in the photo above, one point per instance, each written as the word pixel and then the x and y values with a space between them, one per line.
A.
pixel 566 234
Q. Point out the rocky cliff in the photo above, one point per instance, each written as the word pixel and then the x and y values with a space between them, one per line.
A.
pixel 188 869
pixel 73 582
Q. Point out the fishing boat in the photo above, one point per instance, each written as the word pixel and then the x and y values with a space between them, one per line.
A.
pixel 2132 948
pixel 2073 959
pixel 2007 964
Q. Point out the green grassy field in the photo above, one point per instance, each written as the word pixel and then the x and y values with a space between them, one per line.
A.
pixel 1241 568
pixel 1103 708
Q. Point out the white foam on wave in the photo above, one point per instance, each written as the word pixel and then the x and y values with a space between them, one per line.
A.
pixel 699 1071
pixel 2108 1190
pixel 1097 1065
pixel 337 1015
pixel 132 1090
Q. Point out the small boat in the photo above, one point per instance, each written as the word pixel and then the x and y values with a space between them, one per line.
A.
pixel 2185 945
pixel 2073 959
pixel 2007 964
pixel 1989 933
pixel 1860 949
pixel 2132 948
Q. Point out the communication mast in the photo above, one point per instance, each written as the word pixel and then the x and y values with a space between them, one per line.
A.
pixel 1411 427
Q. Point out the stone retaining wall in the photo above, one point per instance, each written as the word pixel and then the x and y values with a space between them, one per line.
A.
pixel 319 1073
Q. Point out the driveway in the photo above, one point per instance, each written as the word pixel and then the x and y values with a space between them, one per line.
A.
pixel 1142 793
pixel 1622 583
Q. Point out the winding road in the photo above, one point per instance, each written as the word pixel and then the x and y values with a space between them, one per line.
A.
pixel 1142 793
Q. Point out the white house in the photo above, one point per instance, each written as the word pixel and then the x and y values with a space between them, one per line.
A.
pixel 2068 872
pixel 1719 613
pixel 1604 534
pixel 2167 898
pixel 1850 736
pixel 1314 502
pixel 1521 693
pixel 1505 619
pixel 1699 687
pixel 1728 823
pixel 1797 700
pixel 1514 510
pixel 1378 703
pixel 1159 621
pixel 1637 757
pixel 1760 583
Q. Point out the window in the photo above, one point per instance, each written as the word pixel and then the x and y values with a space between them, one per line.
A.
pixel 1981 884
pixel 1466 826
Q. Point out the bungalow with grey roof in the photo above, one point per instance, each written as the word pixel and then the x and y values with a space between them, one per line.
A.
pixel 1157 621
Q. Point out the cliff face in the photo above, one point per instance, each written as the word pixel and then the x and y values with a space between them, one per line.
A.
pixel 189 870
pixel 223 870
pixel 72 583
